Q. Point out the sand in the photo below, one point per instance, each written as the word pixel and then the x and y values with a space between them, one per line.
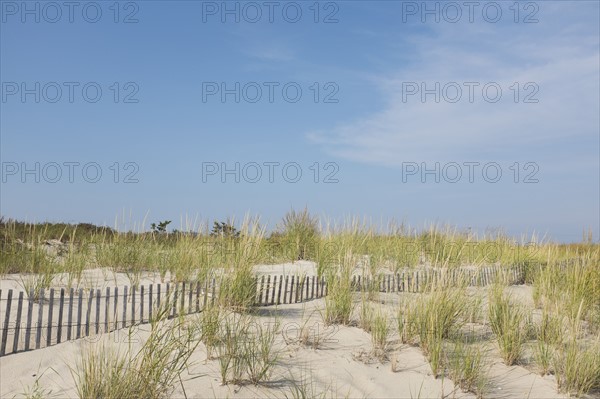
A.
pixel 341 366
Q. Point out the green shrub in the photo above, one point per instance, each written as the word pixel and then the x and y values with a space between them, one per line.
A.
pixel 300 233
pixel 151 372
pixel 467 366
pixel 338 302
pixel 509 323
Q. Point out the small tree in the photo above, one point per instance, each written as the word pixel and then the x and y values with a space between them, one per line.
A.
pixel 224 230
pixel 161 227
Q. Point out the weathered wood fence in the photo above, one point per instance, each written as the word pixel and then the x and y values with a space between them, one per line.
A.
pixel 64 315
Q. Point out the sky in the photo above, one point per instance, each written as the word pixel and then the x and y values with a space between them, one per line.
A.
pixel 481 115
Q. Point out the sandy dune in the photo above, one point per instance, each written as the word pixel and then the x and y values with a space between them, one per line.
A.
pixel 341 366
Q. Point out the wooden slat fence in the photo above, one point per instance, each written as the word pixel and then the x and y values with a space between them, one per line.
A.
pixel 70 314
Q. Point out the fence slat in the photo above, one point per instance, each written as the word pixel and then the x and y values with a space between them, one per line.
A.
pixel 214 288
pixel 29 319
pixel 133 289
pixel 287 278
pixel 116 309
pixel 79 310
pixel 268 288
pixel 6 323
pixel 88 313
pixel 98 297
pixel 142 304
pixel 298 292
pixel 50 314
pixel 273 290
pixel 306 282
pixel 106 309
pixel 38 336
pixel 18 324
pixel 167 298
pixel 190 294
pixel 61 305
pixel 181 311
pixel 150 304
pixel 319 289
pixel 175 299
pixel 158 296
pixel 260 290
pixel 205 294
pixel 417 283
pixel 198 296
pixel 291 289
pixel 124 315
pixel 279 289
pixel 70 313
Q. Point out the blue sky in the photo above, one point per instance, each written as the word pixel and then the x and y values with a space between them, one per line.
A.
pixel 364 133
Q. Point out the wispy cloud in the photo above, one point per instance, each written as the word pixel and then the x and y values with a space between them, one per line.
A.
pixel 563 61
pixel 270 52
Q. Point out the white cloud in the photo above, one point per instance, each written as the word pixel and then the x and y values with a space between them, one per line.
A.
pixel 561 59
